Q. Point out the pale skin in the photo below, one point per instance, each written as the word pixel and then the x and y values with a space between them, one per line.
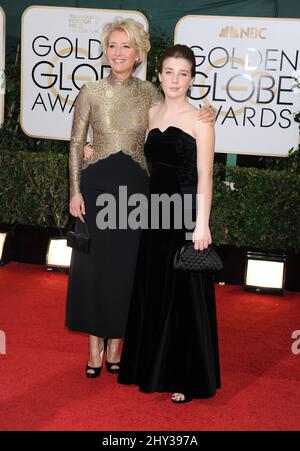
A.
pixel 122 57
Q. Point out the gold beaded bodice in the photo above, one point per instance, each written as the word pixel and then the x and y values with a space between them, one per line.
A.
pixel 118 114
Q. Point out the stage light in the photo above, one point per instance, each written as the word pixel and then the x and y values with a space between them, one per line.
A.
pixel 265 273
pixel 5 247
pixel 58 255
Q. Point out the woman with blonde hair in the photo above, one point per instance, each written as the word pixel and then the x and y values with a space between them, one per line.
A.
pixel 116 107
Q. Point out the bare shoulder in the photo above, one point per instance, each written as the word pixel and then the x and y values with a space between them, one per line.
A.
pixel 198 123
pixel 154 110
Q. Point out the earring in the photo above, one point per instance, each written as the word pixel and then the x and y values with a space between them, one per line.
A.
pixel 189 91
pixel 159 89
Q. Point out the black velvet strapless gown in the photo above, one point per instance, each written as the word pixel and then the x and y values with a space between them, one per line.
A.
pixel 171 341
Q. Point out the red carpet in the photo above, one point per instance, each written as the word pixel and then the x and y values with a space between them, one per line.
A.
pixel 42 380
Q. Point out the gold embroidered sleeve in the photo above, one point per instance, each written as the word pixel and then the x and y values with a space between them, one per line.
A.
pixel 78 138
pixel 156 97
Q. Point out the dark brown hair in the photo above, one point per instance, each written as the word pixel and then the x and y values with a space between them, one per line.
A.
pixel 179 51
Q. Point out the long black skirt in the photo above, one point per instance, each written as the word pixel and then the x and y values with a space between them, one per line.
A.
pixel 100 282
pixel 171 340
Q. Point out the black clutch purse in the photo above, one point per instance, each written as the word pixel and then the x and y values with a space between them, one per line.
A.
pixel 78 237
pixel 189 259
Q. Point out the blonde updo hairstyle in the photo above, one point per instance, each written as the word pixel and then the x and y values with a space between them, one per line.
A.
pixel 137 36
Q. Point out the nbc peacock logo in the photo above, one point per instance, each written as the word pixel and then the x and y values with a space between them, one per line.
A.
pixel 239 33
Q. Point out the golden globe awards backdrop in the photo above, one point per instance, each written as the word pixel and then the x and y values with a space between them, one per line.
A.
pixel 61 50
pixel 2 65
pixel 244 69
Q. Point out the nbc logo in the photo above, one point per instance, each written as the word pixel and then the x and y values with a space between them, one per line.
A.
pixel 250 32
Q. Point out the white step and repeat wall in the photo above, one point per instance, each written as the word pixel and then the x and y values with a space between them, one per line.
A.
pixel 2 65
pixel 61 50
pixel 244 69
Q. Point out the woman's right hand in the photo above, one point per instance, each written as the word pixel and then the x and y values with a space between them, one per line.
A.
pixel 88 151
pixel 77 207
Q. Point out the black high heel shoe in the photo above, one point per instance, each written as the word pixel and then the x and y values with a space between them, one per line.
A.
pixel 109 368
pixel 96 370
pixel 181 401
pixel 109 365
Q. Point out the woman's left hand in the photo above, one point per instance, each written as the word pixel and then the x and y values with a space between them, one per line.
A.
pixel 206 114
pixel 88 151
pixel 201 238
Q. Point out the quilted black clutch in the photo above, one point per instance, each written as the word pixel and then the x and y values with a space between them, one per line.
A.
pixel 189 259
pixel 78 237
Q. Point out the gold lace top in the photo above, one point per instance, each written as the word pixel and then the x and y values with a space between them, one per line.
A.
pixel 118 114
